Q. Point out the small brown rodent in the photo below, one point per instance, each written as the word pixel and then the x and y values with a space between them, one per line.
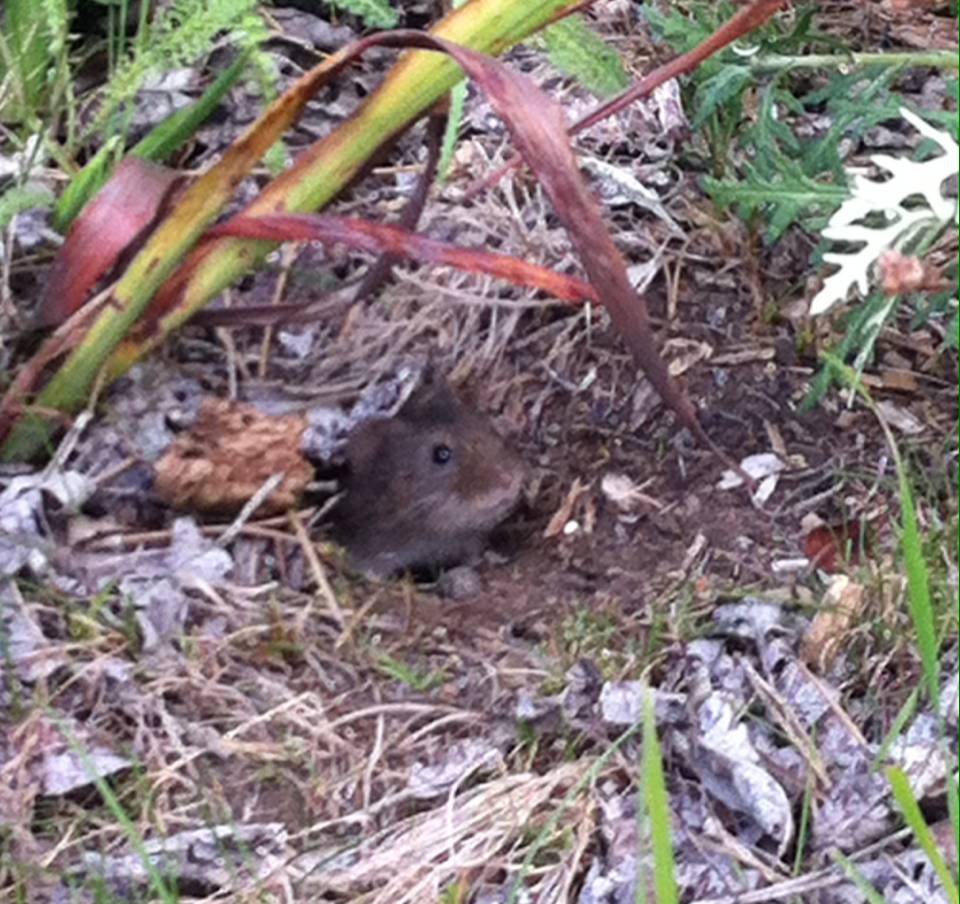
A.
pixel 425 487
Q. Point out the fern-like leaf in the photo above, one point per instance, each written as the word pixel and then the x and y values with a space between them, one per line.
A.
pixel 180 35
pixel 726 84
pixel 375 13
pixel 784 197
pixel 576 51
pixel 20 198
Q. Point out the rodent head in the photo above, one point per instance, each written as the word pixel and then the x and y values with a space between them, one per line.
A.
pixel 426 482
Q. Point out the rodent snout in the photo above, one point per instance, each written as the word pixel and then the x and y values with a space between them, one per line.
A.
pixel 510 483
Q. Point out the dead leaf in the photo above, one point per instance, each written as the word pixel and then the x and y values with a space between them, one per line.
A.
pixel 624 493
pixel 899 380
pixel 747 356
pixel 160 582
pixel 215 857
pixel 23 510
pixel 776 439
pixel 763 468
pixel 831 547
pixel 840 610
pixel 228 455
pixel 899 417
pixel 460 760
pixel 691 352
pixel 64 772
pixel 27 650
pixel 562 515
pixel 733 772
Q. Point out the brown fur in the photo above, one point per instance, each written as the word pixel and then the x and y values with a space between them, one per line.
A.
pixel 402 507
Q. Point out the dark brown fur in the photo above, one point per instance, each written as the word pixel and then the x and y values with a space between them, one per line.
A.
pixel 404 506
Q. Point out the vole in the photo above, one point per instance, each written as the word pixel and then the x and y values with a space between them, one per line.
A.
pixel 425 487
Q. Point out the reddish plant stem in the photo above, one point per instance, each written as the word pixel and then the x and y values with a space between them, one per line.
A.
pixel 742 22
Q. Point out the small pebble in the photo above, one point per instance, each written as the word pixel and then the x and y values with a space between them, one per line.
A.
pixel 460 583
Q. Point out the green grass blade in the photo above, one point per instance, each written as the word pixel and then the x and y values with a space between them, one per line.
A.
pixel 903 795
pixel 905 713
pixel 918 587
pixel 658 808
pixel 86 183
pixel 804 826
pixel 921 611
pixel 549 828
pixel 158 145
pixel 170 134
pixel 953 798
pixel 870 894
pixel 160 887
pixel 458 96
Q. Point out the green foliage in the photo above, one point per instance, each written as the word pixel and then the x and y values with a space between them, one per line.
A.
pixel 181 34
pixel 415 679
pixel 782 196
pixel 657 807
pixel 870 894
pixel 903 794
pixel 782 178
pixel 157 145
pixel 33 52
pixel 918 586
pixel 19 198
pixel 776 121
pixel 375 13
pixel 744 155
pixel 755 158
pixel 579 53
pixel 854 326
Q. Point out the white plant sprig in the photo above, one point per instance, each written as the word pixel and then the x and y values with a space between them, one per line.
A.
pixel 909 179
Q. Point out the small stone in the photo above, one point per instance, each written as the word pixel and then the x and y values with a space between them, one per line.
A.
pixel 460 583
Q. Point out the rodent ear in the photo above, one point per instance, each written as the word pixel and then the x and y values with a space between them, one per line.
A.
pixel 431 403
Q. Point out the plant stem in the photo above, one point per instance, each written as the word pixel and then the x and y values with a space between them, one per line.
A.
pixel 941 59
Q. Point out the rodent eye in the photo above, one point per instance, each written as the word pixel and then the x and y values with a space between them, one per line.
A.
pixel 442 453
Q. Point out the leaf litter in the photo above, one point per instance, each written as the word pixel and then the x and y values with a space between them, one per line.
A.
pixel 383 792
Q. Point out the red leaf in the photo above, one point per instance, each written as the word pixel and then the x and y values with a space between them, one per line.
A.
pixel 392 240
pixel 116 221
pixel 832 547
